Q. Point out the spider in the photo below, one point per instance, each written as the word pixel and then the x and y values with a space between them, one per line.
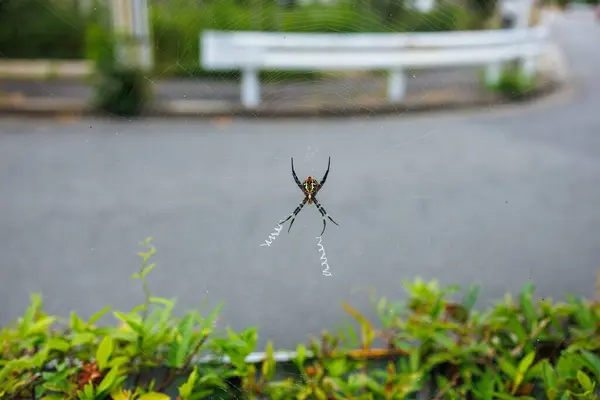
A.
pixel 310 187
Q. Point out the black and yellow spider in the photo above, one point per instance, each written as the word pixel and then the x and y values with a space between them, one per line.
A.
pixel 310 187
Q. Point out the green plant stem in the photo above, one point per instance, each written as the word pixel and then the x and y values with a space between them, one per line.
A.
pixel 29 382
pixel 174 372
pixel 144 317
pixel 450 385
pixel 535 333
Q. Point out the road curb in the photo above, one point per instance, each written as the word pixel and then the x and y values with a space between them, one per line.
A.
pixel 60 107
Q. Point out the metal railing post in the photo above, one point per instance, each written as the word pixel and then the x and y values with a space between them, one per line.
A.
pixel 250 90
pixel 396 89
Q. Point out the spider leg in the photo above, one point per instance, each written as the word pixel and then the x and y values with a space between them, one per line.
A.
pixel 296 177
pixel 293 215
pixel 325 176
pixel 324 214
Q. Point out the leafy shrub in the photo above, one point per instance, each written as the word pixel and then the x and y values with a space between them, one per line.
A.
pixel 119 90
pixel 99 47
pixel 41 29
pixel 122 91
pixel 513 83
pixel 442 349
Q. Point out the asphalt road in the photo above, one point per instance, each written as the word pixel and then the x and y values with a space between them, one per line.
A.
pixel 496 197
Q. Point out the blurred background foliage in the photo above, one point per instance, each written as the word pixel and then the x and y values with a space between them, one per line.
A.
pixel 62 31
pixel 41 29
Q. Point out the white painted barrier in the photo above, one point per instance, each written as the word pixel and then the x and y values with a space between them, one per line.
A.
pixel 251 52
pixel 45 69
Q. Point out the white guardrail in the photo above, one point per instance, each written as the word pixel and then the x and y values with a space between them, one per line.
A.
pixel 251 52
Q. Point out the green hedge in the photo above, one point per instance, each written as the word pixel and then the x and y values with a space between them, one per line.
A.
pixel 430 344
pixel 176 30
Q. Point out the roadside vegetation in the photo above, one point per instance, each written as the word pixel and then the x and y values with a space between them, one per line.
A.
pixel 513 83
pixel 60 31
pixel 435 342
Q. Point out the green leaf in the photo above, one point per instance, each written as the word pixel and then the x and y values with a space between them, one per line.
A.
pixel 268 365
pixel 320 394
pixel 471 298
pixel 439 358
pixel 103 352
pixel 181 343
pixel 522 370
pixel 437 308
pixel 585 381
pixel 15 365
pixel 444 340
pixel 415 359
pixel 507 368
pixel 83 338
pixel 88 391
pixel 549 375
pixel 375 387
pixel 135 276
pixel 337 367
pixel 593 362
pixel 109 381
pixel 154 396
pixel 516 327
pixel 485 386
pixel 58 343
pixel 41 326
pixel 366 328
pixel 97 316
pixel 185 390
pixel 129 321
pixel 552 393
pixel 41 357
pixel 28 319
pixel 352 335
pixel 147 270
pixel 120 394
pixel 526 362
pixel 526 300
pixel 381 305
pixel 118 361
pixel 77 323
pixel 201 394
pixel 161 300
pixel 300 354
pixel 505 396
pixel 209 321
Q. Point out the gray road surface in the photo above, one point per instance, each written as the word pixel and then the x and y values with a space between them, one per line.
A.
pixel 495 198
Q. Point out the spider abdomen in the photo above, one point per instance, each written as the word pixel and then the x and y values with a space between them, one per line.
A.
pixel 311 186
